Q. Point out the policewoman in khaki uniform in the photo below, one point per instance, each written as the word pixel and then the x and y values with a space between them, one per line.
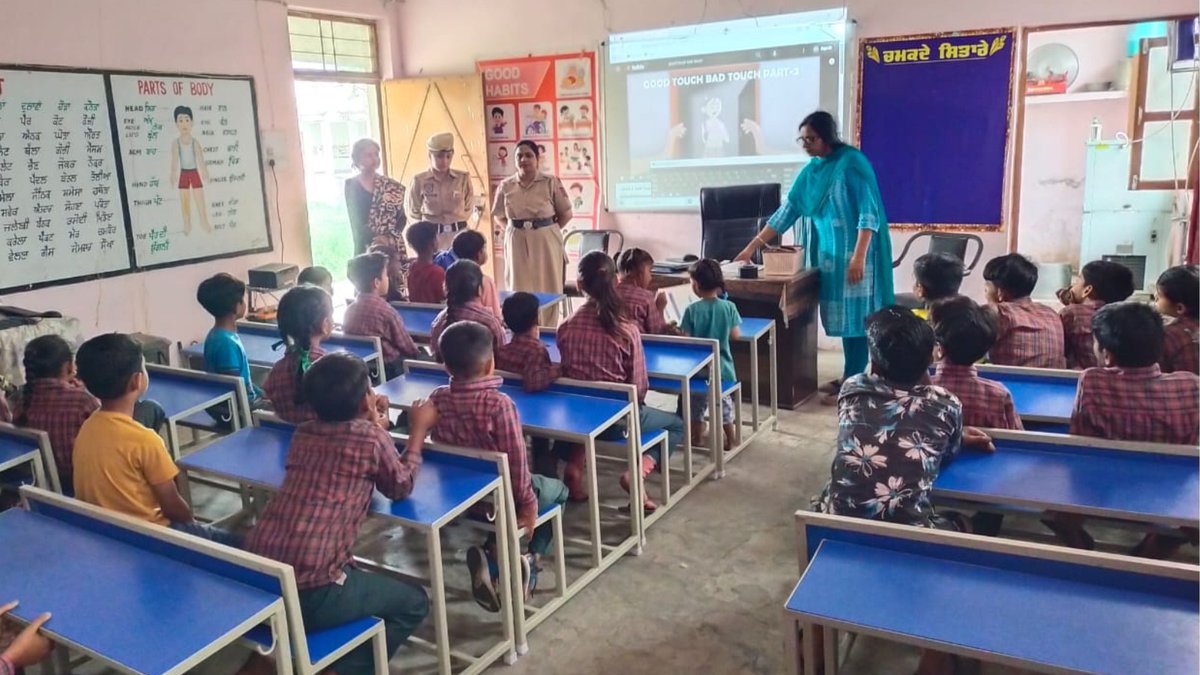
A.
pixel 441 195
pixel 534 208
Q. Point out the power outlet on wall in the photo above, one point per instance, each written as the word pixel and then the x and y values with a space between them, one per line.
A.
pixel 274 149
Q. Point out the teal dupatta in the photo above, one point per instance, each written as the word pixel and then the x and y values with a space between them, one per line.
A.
pixel 836 196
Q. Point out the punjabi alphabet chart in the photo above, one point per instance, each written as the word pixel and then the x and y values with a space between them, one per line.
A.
pixel 192 171
pixel 60 203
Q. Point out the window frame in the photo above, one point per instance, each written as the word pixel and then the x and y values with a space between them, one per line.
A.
pixel 335 75
pixel 1139 117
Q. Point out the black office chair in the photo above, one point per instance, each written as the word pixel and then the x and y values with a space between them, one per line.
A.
pixel 731 216
pixel 589 240
pixel 956 244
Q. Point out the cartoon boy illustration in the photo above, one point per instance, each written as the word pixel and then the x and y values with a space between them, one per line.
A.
pixel 713 134
pixel 585 118
pixel 499 124
pixel 502 156
pixel 189 171
pixel 566 119
pixel 538 124
pixel 544 157
pixel 577 197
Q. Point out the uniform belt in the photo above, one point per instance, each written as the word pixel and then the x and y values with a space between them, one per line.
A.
pixel 452 227
pixel 533 224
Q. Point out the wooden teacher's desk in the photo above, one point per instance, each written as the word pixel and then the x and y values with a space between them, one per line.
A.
pixel 792 302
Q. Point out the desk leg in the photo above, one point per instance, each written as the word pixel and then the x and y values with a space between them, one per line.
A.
pixel 685 406
pixel 773 366
pixel 283 643
pixel 512 608
pixel 594 500
pixel 753 385
pixel 637 483
pixel 809 639
pixel 173 438
pixel 39 474
pixel 437 591
pixel 831 651
pixel 716 430
pixel 792 645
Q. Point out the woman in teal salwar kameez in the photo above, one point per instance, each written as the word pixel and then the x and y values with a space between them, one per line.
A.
pixel 844 233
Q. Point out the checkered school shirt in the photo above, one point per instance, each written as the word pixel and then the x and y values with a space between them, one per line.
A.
pixel 59 408
pixel 1181 346
pixel 1077 334
pixel 476 414
pixel 281 385
pixel 332 469
pixel 1137 404
pixel 1030 335
pixel 372 316
pixel 529 358
pixel 985 403
pixel 472 311
pixel 590 353
pixel 639 305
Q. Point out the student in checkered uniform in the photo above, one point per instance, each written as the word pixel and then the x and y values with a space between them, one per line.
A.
pixel 601 344
pixel 474 413
pixel 1029 334
pixel 937 277
pixel 464 302
pixel 334 464
pixel 1178 296
pixel 965 332
pixel 645 307
pixel 526 356
pixel 305 318
pixel 1131 399
pixel 1099 283
pixel 370 315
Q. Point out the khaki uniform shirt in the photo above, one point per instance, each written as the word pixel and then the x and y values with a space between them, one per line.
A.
pixel 545 197
pixel 443 199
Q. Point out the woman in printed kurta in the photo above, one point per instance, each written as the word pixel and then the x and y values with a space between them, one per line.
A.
pixel 375 204
pixel 844 233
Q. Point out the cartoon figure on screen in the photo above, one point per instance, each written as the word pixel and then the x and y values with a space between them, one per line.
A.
pixel 189 171
pixel 499 124
pixel 713 134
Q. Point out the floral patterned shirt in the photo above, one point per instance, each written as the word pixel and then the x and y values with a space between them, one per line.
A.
pixel 891 446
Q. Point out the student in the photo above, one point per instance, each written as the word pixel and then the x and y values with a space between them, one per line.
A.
pixel 473 413
pixel 334 464
pixel 1178 296
pixel 1099 283
pixel 716 318
pixel 470 245
pixel 896 432
pixel 598 343
pixel 224 297
pixel 305 318
pixel 371 315
pixel 29 648
pixel 426 279
pixel 53 400
pixel 644 307
pixel 1129 398
pixel 119 464
pixel 317 276
pixel 525 354
pixel 464 290
pixel 965 332
pixel 938 276
pixel 1028 334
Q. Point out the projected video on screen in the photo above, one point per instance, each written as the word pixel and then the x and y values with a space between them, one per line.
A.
pixel 714 104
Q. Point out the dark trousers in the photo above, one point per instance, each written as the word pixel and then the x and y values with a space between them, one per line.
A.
pixel 402 607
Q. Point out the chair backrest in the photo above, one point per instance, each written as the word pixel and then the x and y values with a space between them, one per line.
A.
pixel 36 440
pixel 733 215
pixel 956 244
pixel 578 243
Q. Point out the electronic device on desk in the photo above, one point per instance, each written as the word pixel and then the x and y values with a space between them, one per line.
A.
pixel 266 282
pixel 673 265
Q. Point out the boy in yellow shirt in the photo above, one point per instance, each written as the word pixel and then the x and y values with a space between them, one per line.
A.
pixel 121 465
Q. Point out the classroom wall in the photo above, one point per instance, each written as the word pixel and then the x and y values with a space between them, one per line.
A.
pixel 432 43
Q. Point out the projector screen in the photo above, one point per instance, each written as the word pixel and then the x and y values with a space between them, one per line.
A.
pixel 715 104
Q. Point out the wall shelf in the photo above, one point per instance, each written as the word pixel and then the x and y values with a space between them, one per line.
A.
pixel 1079 97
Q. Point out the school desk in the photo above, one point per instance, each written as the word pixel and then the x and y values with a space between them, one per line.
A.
pixel 792 303
pixel 136 597
pixel 183 393
pixel 264 347
pixel 752 331
pixel 569 411
pixel 1137 482
pixel 1026 606
pixel 677 365
pixel 449 483
pixel 1043 397
pixel 19 447
pixel 544 299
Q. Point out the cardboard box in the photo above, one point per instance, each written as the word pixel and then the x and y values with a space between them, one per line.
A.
pixel 783 261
